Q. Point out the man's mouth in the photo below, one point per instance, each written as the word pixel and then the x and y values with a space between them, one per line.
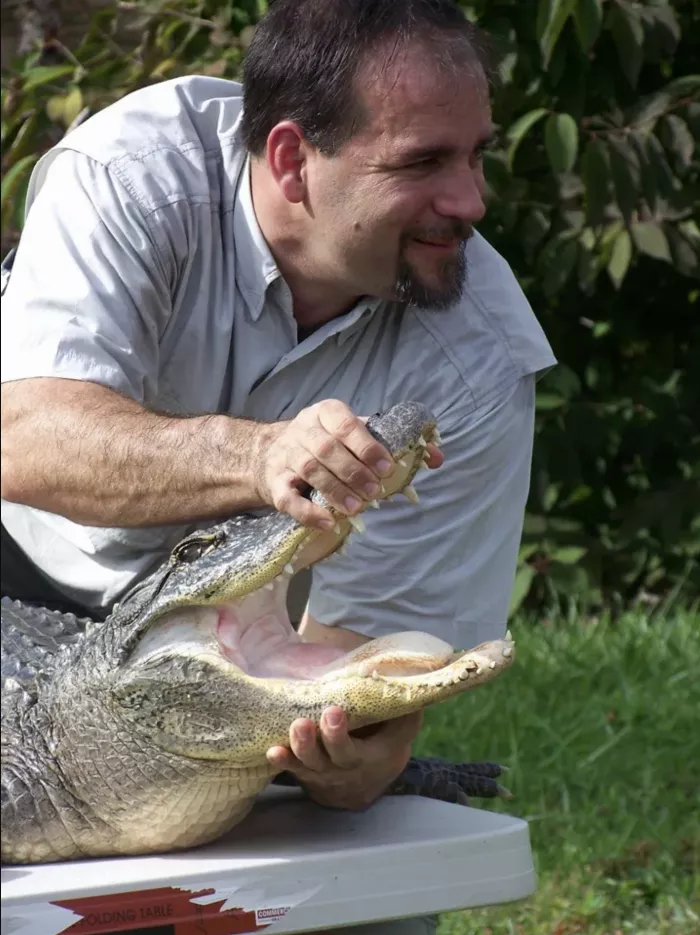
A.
pixel 440 246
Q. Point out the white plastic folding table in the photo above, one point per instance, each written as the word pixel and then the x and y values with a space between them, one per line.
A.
pixel 290 867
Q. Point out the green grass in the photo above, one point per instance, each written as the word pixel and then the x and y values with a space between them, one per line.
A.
pixel 599 723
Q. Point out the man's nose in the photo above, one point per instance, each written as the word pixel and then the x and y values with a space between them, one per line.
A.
pixel 462 196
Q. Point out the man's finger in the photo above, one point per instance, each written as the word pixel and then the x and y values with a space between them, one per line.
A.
pixel 304 745
pixel 286 498
pixel 435 456
pixel 339 745
pixel 339 420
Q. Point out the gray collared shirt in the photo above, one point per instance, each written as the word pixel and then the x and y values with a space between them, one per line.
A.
pixel 142 267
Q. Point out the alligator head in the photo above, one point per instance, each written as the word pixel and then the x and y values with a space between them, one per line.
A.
pixel 152 730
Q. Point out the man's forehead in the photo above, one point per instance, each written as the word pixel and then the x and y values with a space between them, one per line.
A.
pixel 415 92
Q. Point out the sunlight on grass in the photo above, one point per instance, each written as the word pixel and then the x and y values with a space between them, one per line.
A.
pixel 598 722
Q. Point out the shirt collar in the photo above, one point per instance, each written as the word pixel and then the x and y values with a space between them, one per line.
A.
pixel 255 266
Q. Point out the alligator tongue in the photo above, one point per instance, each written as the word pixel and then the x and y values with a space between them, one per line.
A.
pixel 256 635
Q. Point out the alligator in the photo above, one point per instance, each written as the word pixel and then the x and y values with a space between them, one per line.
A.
pixel 147 732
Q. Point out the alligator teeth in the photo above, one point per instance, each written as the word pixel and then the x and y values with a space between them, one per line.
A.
pixel 374 503
pixel 492 664
pixel 422 442
pixel 357 523
pixel 509 636
pixel 270 586
pixel 336 529
pixel 289 568
pixel 479 670
pixel 404 462
pixel 507 652
pixel 437 438
pixel 410 493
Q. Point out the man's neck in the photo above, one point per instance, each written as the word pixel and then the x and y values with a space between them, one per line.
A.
pixel 315 301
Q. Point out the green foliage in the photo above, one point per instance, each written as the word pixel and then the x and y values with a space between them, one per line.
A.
pixel 596 722
pixel 594 196
pixel 594 202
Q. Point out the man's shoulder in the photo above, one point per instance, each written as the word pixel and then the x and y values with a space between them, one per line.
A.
pixel 492 338
pixel 166 141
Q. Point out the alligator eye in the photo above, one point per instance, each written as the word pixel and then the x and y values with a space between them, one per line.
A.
pixel 191 551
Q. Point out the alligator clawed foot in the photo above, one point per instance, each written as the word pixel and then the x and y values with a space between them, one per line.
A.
pixel 435 778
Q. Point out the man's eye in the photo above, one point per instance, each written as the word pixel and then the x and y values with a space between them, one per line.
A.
pixel 428 163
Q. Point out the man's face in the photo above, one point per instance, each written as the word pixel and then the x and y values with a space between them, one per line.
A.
pixel 394 207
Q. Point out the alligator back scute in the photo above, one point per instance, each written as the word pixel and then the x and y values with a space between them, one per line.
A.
pixel 32 638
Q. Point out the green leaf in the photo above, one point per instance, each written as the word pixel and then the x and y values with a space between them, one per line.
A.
pixel 676 137
pixel 561 142
pixel 686 256
pixel 685 86
pixel 665 27
pixel 658 164
pixel 596 180
pixel 648 185
pixel 568 555
pixel 521 587
pixel 558 260
pixel 534 525
pixel 551 16
pixel 649 238
pixel 628 33
pixel 626 173
pixel 525 551
pixel 45 74
pixel 72 105
pixel 532 230
pixel 547 401
pixel 521 128
pixel 620 258
pixel 570 580
pixel 13 177
pixel 588 18
pixel 649 108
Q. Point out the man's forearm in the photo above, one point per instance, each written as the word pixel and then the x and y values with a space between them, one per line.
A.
pixel 101 459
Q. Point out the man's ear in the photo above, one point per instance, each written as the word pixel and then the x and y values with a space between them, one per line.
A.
pixel 286 157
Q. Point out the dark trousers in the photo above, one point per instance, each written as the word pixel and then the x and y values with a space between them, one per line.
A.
pixel 21 580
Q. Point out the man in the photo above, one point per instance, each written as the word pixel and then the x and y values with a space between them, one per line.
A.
pixel 211 290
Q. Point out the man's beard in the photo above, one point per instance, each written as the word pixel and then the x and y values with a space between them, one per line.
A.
pixel 452 277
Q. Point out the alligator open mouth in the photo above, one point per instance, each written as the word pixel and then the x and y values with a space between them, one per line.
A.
pixel 244 620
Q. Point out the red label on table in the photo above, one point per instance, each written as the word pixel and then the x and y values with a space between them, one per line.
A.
pixel 167 910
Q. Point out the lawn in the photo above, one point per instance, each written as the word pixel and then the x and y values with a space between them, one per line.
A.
pixel 599 723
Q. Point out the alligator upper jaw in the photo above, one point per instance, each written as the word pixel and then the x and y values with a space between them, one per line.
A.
pixel 184 622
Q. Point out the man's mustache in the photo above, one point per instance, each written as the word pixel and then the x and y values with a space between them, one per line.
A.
pixel 457 230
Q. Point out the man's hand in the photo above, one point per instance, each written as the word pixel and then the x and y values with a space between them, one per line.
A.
pixel 343 771
pixel 328 448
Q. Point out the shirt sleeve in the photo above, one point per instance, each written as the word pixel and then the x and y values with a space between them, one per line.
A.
pixel 447 565
pixel 88 296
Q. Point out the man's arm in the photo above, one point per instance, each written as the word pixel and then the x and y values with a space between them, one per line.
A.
pixel 120 465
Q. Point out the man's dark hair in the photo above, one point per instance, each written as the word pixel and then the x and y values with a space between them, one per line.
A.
pixel 305 56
